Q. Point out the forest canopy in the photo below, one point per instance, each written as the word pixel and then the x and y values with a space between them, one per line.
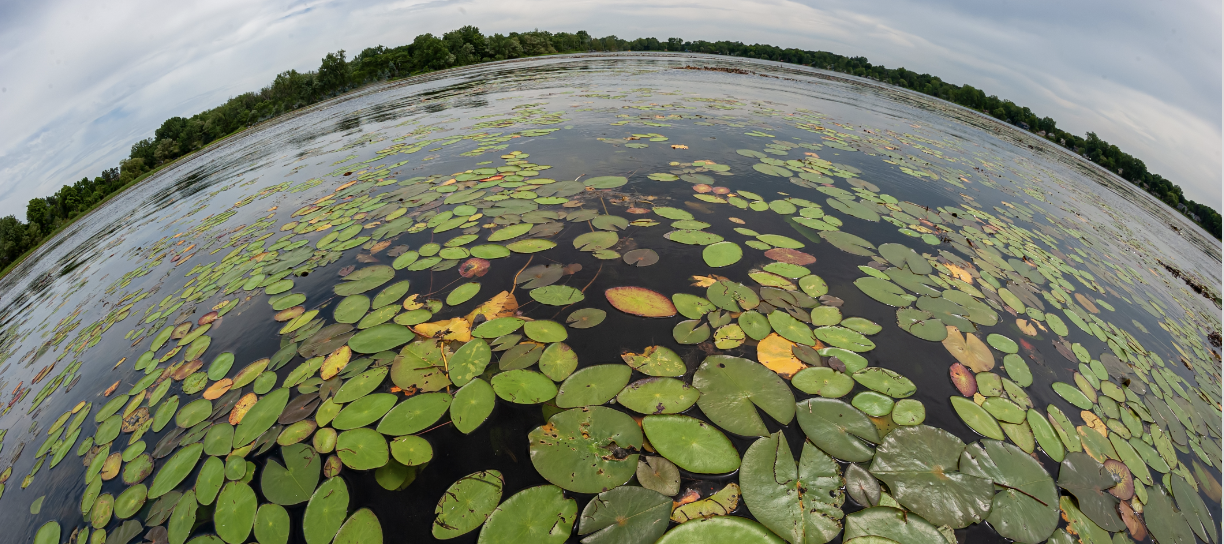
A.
pixel 338 73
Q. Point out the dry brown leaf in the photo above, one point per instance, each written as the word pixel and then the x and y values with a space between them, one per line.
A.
pixel 457 329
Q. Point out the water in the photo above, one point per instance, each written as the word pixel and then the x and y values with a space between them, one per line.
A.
pixel 575 114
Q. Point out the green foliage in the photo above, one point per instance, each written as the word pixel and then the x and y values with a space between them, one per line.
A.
pixel 291 90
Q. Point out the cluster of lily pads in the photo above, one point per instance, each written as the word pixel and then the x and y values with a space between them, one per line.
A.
pixel 764 355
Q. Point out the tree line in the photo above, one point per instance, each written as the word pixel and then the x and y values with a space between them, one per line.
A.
pixel 337 73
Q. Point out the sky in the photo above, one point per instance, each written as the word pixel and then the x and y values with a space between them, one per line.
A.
pixel 81 81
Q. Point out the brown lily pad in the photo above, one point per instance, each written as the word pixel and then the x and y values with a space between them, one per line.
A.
pixel 790 256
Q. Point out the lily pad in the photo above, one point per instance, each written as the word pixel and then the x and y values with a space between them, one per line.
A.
pixel 592 385
pixel 585 318
pixel 1024 507
pixel 656 361
pixel 838 428
pixel 586 450
pixel 235 512
pixel 640 302
pixel 467 503
pixel 722 254
pixel 800 502
pixel 918 465
pixel 326 511
pixel 691 444
pixel 658 396
pixel 543 330
pixel 1089 481
pixel 414 414
pixel 472 405
pixel 733 388
pixel 175 470
pixel 524 387
pixel 293 482
pixel 823 381
pixel 892 524
pixel 540 515
pixel 627 514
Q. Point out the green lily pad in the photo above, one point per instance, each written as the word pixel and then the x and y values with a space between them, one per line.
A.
pixel 823 381
pixel 326 511
pixel 837 428
pixel 872 403
pixel 182 520
pixel 977 418
pixel 462 294
pixel 467 503
pixel 540 515
pixel 1002 343
pixel 558 361
pixel 293 482
pixel 908 412
pixel 413 415
pixel 362 449
pixel 1072 395
pixel 524 386
pixel 892 524
pixel 260 417
pixel 500 326
pixel 557 295
pixel 592 385
pixel 235 512
pixel 272 524
pixel 790 328
pixel 472 405
pixel 691 332
pixel 469 361
pixel 627 514
pixel 411 450
pixel 363 411
pixel 656 361
pixel 733 388
pixel 546 331
pixel 844 338
pixel 209 480
pixel 722 254
pixel 530 245
pixel 361 528
pixel 360 385
pixel 1166 524
pixel 380 338
pixel 800 502
pixel 922 324
pixel 720 530
pixel 1026 509
pixel 658 396
pixel 364 280
pixel 888 382
pixel 49 533
pixel 130 501
pixel 918 465
pixel 586 450
pixel 176 469
pixel 586 318
pixel 1089 481
pixel 691 444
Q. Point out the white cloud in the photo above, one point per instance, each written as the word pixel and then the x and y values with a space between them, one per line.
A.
pixel 84 80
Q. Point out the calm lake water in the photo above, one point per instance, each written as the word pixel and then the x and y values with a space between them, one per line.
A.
pixel 819 197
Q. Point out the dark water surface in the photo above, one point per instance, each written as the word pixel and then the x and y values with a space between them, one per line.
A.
pixel 1013 214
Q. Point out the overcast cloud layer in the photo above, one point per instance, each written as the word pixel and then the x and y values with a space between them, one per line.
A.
pixel 83 80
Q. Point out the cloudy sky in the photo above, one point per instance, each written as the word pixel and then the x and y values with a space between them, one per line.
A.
pixel 80 81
